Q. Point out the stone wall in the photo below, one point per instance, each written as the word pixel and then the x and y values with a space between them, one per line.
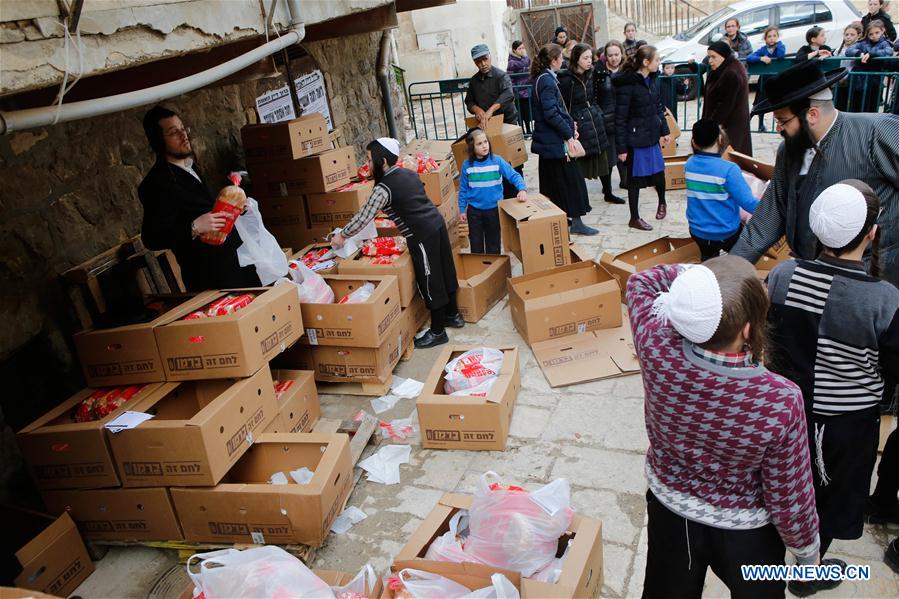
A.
pixel 69 192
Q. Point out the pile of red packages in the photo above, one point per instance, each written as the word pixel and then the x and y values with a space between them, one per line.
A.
pixel 222 306
pixel 384 246
pixel 104 402
pixel 422 163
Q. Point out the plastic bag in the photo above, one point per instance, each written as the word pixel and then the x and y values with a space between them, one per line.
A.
pixel 500 588
pixel 425 585
pixel 448 546
pixel 552 572
pixel 359 296
pixel 474 372
pixel 360 587
pixel 515 529
pixel 259 247
pixel 313 289
pixel 258 572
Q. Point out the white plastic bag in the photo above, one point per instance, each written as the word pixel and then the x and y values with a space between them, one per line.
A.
pixel 425 585
pixel 313 289
pixel 362 585
pixel 448 546
pixel 259 247
pixel 258 572
pixel 359 296
pixel 500 588
pixel 474 372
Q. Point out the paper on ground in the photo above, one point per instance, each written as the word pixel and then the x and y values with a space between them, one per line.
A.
pixel 127 420
pixel 382 404
pixel 406 388
pixel 346 519
pixel 384 465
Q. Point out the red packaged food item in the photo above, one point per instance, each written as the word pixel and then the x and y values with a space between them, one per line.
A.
pixel 104 402
pixel 313 257
pixel 364 172
pixel 425 164
pixel 281 387
pixel 229 304
pixel 381 260
pixel 384 246
pixel 384 223
pixel 231 201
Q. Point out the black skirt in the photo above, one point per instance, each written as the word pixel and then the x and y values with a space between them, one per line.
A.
pixel 654 180
pixel 562 182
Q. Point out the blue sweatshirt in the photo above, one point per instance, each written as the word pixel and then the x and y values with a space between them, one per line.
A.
pixel 881 49
pixel 779 52
pixel 716 190
pixel 481 182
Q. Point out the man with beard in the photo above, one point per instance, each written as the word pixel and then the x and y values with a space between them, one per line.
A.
pixel 178 209
pixel 822 146
pixel 400 194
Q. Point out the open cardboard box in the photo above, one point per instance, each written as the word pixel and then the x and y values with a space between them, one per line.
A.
pixel 582 570
pixel 324 172
pixel 506 140
pixel 198 431
pixel 63 454
pixel 665 250
pixel 289 140
pixel 535 231
pixel 336 208
pixel 579 253
pixel 748 164
pixel 564 301
pixel 118 514
pixel 332 270
pixel 468 574
pixel 298 406
pixel 482 283
pixel 361 266
pixel 439 150
pixel 439 183
pixel 245 508
pixel 676 172
pixel 235 345
pixel 468 422
pixel 50 551
pixel 332 578
pixel 353 325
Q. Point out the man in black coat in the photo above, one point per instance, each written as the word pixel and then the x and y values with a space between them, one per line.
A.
pixel 178 209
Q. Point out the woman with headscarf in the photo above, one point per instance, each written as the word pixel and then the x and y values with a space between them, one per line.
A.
pixel 727 96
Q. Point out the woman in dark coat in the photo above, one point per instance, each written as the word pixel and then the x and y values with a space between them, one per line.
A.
pixel 639 125
pixel 606 66
pixel 554 130
pixel 726 98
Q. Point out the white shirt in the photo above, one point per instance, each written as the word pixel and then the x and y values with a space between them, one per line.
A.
pixel 188 166
pixel 811 153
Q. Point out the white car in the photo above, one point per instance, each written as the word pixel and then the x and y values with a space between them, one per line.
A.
pixel 794 17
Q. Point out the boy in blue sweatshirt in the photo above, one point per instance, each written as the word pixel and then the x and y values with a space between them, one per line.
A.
pixel 716 190
pixel 480 188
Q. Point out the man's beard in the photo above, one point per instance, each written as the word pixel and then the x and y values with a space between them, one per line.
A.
pixel 180 155
pixel 797 145
pixel 377 171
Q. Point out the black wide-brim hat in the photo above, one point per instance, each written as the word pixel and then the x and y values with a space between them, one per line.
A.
pixel 796 83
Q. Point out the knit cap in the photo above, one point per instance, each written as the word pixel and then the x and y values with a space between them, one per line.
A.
pixel 838 215
pixel 721 48
pixel 692 305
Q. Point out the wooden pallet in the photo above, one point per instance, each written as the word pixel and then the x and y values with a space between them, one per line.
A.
pixel 348 388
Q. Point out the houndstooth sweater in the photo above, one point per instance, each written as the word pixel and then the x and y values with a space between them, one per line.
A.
pixel 728 446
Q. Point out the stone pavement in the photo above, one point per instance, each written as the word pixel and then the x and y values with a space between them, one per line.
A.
pixel 592 434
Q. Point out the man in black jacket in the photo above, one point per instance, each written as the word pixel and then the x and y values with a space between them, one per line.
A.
pixel 178 209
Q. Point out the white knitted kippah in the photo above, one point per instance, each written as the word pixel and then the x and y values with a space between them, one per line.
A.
pixel 390 144
pixel 838 215
pixel 692 305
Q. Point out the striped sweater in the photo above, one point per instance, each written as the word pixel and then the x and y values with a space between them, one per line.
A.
pixel 481 182
pixel 716 190
pixel 833 331
pixel 727 446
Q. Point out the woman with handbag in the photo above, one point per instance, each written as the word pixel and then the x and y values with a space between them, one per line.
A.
pixel 639 124
pixel 555 142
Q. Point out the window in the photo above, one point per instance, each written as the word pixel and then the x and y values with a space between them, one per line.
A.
pixel 822 13
pixel 798 14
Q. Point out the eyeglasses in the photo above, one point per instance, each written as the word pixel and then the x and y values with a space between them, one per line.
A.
pixel 179 132
pixel 783 123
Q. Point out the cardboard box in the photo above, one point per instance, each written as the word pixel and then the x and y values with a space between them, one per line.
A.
pixel 675 172
pixel 582 570
pixel 535 231
pixel 53 557
pixel 670 149
pixel 665 250
pixel 336 578
pixel 361 267
pixel 236 345
pixel 288 140
pixel 439 184
pixel 321 173
pixel 439 150
pixel 762 170
pixel 579 253
pixel 245 508
pixel 353 325
pixel 336 208
pixel 125 355
pixel 198 431
pixel 316 246
pixel 63 454
pixel 564 301
pixel 287 220
pixel 468 574
pixel 450 212
pixel 505 140
pixel 118 514
pixel 482 283
pixel 298 406
pixel 777 253
pixel 468 422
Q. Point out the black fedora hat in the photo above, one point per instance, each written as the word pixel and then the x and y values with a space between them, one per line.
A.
pixel 796 83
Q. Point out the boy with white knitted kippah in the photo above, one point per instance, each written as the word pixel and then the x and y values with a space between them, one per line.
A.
pixel 834 332
pixel 730 480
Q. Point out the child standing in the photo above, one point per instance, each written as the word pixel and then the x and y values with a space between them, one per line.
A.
pixel 716 190
pixel 480 188
pixel 835 331
pixel 815 46
pixel 772 50
pixel 874 45
pixel 671 87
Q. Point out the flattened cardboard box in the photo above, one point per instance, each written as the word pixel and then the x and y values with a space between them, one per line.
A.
pixel 245 508
pixel 321 173
pixel 582 570
pixel 665 250
pixel 336 208
pixel 235 345
pixel 439 183
pixel 361 266
pixel 125 355
pixel 588 356
pixel 63 454
pixel 298 405
pixel 482 283
pixel 470 575
pixel 290 140
pixel 535 231
pixel 199 430
pixel 53 557
pixel 118 514
pixel 564 301
pixel 468 422
pixel 353 325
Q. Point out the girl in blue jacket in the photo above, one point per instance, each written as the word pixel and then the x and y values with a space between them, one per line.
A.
pixel 773 49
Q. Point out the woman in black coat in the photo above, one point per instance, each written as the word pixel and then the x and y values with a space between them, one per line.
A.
pixel 609 61
pixel 726 98
pixel 639 125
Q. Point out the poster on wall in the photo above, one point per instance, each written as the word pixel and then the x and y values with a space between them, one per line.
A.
pixel 275 106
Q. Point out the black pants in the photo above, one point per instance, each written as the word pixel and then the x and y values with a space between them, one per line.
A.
pixel 483 230
pixel 509 190
pixel 712 249
pixel 681 550
pixel 888 473
pixel 435 271
pixel 524 114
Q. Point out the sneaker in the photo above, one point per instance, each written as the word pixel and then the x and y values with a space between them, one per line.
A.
pixel 639 224
pixel 879 514
pixel 582 229
pixel 429 339
pixel 891 555
pixel 611 198
pixel 455 322
pixel 805 588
